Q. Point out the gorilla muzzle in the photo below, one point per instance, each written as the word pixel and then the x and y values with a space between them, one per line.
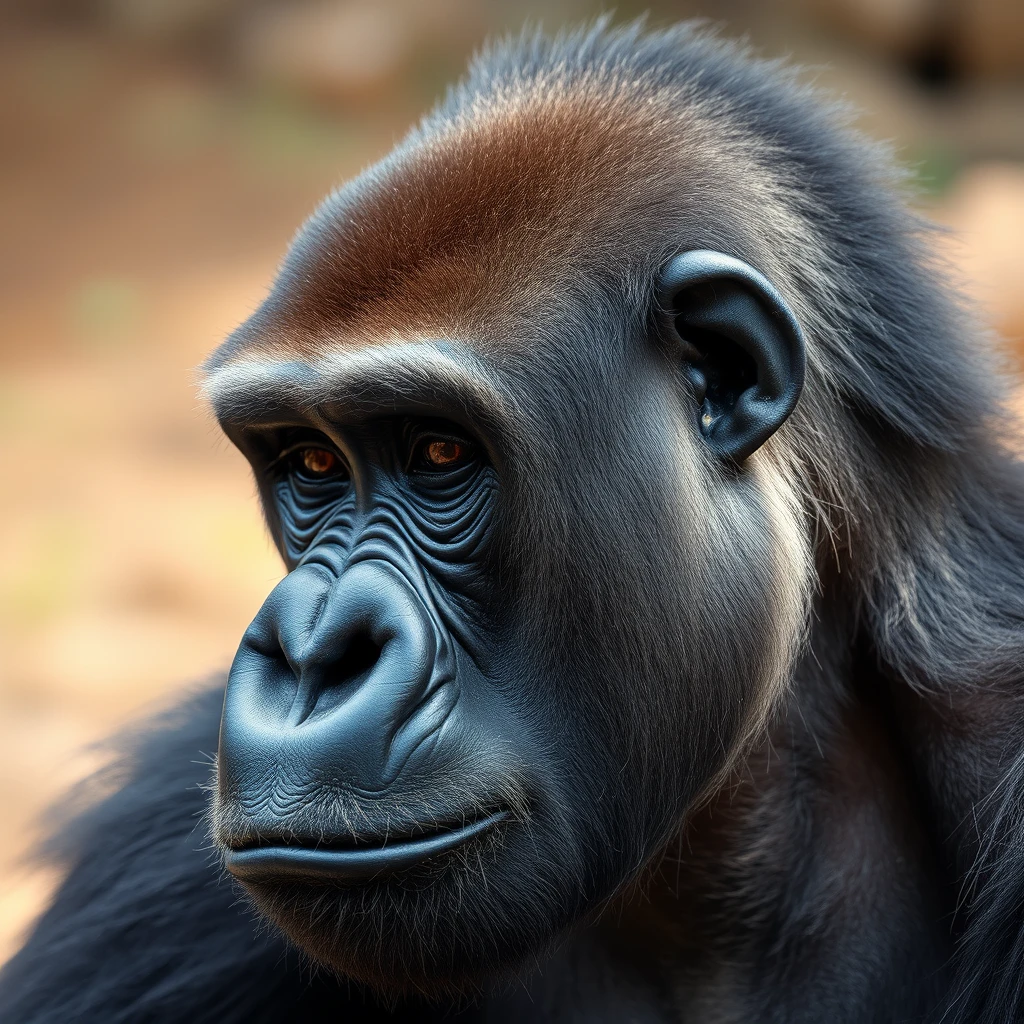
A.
pixel 342 685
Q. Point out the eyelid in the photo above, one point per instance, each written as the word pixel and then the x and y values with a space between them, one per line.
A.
pixel 299 446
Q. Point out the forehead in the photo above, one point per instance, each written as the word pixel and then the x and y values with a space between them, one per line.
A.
pixel 476 226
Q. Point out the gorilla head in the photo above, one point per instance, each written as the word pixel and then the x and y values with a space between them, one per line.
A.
pixel 512 407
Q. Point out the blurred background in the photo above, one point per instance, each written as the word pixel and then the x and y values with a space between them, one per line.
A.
pixel 157 156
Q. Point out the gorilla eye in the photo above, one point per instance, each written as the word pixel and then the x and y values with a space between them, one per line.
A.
pixel 318 462
pixel 444 453
pixel 441 453
pixel 436 448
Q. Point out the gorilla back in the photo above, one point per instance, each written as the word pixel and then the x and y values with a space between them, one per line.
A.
pixel 651 642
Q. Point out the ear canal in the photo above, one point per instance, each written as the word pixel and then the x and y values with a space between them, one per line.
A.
pixel 743 351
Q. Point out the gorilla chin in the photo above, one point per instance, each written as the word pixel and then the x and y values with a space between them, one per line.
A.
pixel 439 912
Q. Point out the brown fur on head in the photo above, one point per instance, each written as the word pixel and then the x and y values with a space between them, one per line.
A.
pixel 512 194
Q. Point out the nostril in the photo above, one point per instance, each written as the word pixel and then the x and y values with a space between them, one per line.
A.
pixel 361 654
pixel 330 683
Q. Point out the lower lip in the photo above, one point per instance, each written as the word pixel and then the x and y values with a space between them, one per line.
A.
pixel 358 864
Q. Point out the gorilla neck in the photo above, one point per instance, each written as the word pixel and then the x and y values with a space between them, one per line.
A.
pixel 818 848
pixel 829 871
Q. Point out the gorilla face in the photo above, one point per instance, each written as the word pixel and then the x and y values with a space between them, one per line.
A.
pixel 381 792
pixel 423 773
pixel 511 648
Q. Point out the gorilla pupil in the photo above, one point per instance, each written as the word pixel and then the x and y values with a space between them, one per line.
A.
pixel 319 461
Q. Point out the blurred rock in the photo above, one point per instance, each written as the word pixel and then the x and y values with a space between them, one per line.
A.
pixel 172 24
pixel 891 26
pixel 941 40
pixel 343 49
pixel 991 34
pixel 167 20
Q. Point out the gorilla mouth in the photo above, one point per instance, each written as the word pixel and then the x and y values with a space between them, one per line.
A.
pixel 353 859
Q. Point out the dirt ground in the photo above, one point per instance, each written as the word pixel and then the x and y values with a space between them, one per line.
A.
pixel 145 208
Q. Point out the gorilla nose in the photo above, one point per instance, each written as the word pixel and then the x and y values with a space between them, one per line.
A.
pixel 338 678
pixel 334 635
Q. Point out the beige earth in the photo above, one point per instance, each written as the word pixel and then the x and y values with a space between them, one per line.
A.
pixel 145 208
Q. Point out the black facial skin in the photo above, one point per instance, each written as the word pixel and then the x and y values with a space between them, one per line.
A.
pixel 355 664
pixel 366 739
pixel 364 736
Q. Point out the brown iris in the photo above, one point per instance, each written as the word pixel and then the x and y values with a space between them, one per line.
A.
pixel 444 453
pixel 319 461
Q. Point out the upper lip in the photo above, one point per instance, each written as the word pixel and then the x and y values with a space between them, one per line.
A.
pixel 352 858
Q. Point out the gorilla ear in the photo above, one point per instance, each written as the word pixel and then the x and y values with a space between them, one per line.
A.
pixel 743 351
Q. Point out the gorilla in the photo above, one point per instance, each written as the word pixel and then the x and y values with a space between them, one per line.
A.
pixel 651 643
